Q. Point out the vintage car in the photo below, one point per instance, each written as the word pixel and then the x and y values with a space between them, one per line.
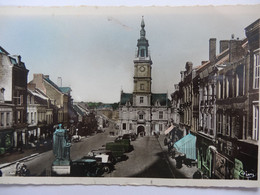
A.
pixel 85 167
pixel 117 150
pixel 130 136
pixel 107 159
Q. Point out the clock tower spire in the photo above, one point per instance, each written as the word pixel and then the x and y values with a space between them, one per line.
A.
pixel 143 67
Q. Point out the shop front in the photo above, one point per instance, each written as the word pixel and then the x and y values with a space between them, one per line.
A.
pixel 6 140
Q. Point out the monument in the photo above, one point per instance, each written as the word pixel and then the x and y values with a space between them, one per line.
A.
pixel 61 150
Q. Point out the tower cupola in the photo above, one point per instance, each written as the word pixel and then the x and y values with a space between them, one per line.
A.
pixel 142 43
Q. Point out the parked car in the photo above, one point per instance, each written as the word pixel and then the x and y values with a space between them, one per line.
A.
pixel 85 167
pixel 117 150
pixel 130 136
pixel 107 159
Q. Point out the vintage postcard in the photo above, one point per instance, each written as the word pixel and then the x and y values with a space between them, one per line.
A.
pixel 161 96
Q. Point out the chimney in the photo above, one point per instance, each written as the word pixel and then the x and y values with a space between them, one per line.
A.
pixel 46 76
pixel 19 59
pixel 212 49
pixel 59 82
pixel 203 62
pixel 235 50
pixel 223 45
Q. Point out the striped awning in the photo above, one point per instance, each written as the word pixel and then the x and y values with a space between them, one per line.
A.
pixel 187 145
pixel 168 130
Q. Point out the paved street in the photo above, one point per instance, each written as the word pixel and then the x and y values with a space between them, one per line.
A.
pixel 146 160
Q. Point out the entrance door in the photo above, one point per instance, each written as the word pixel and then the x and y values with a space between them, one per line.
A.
pixel 140 130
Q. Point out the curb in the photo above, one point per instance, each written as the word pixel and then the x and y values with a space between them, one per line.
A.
pixel 22 159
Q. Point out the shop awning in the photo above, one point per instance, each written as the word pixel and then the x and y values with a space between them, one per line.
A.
pixel 168 130
pixel 187 145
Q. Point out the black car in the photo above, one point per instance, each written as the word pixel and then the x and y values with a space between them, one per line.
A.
pixel 130 136
pixel 85 168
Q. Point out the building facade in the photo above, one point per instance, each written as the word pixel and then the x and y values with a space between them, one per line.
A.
pixel 225 107
pixel 13 81
pixel 143 112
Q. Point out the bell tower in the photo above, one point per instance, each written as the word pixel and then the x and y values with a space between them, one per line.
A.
pixel 142 71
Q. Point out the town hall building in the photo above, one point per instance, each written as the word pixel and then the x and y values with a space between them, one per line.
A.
pixel 143 112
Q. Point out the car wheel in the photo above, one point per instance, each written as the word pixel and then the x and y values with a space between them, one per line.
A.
pixel 106 169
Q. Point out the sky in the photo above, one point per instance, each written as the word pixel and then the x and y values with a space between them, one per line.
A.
pixel 93 48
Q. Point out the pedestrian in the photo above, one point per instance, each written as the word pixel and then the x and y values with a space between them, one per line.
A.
pixel 20 145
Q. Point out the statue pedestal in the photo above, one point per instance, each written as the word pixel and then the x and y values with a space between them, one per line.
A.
pixel 61 169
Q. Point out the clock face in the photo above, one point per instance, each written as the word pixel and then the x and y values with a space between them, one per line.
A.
pixel 142 68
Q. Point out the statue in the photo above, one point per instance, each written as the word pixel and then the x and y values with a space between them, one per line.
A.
pixel 61 147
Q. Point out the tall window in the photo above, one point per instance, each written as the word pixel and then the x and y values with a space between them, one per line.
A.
pixel 21 99
pixel 141 100
pixel 256 71
pixel 2 119
pixel 141 117
pixel 19 117
pixel 32 117
pixel 255 122
pixel 219 123
pixel 124 126
pixel 228 124
pixel 160 127
pixel 8 118
pixel 240 81
pixel 161 115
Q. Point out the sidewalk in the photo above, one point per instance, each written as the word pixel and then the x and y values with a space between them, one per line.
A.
pixel 17 155
pixel 184 171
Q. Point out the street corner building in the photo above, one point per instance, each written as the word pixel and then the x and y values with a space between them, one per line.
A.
pixel 143 112
pixel 13 101
pixel 218 102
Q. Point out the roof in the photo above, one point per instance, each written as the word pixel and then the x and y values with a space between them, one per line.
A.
pixel 126 97
pixel 2 50
pixel 52 83
pixel 161 98
pixel 36 93
pixel 65 89
pixel 78 110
